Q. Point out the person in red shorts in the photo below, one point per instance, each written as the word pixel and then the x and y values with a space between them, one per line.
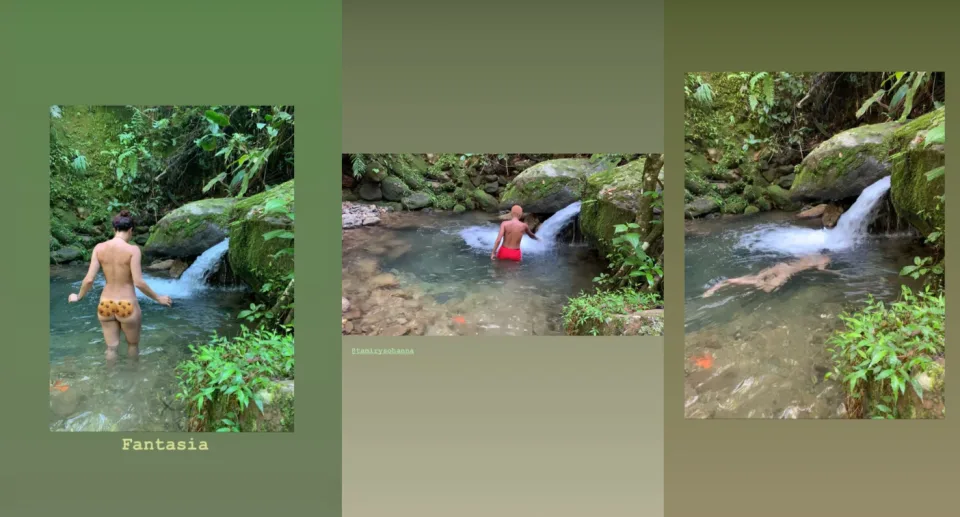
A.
pixel 511 233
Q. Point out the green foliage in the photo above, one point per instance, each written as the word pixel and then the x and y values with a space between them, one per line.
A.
pixel 629 260
pixel 744 112
pixel 882 349
pixel 246 155
pixel 228 373
pixel 902 89
pixel 594 311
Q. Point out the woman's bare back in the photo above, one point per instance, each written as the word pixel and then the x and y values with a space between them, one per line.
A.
pixel 115 258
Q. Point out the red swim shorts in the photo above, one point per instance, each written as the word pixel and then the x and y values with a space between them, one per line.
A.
pixel 506 253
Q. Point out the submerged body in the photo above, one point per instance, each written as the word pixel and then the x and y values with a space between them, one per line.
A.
pixel 511 235
pixel 118 310
pixel 772 278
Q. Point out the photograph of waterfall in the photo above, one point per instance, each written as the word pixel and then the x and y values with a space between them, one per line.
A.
pixel 462 244
pixel 172 268
pixel 814 245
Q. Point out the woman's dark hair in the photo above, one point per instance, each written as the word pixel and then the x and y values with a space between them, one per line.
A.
pixel 123 221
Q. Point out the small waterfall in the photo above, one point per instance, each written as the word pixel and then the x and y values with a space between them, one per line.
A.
pixel 194 278
pixel 852 225
pixel 483 237
pixel 850 230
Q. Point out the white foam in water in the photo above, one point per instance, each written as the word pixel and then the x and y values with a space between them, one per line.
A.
pixel 483 237
pixel 849 231
pixel 192 280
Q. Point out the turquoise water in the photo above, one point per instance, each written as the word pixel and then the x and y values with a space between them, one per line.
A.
pixel 130 394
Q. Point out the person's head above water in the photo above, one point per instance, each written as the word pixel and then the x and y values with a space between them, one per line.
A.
pixel 516 212
pixel 123 222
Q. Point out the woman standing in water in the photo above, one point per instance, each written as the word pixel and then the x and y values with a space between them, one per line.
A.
pixel 119 309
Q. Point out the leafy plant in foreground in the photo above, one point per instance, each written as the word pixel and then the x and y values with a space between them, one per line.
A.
pixel 591 312
pixel 883 349
pixel 228 373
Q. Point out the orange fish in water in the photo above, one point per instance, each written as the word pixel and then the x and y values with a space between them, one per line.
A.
pixel 459 319
pixel 705 361
pixel 59 386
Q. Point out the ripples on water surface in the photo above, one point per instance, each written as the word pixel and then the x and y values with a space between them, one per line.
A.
pixel 769 353
pixel 130 395
pixel 447 258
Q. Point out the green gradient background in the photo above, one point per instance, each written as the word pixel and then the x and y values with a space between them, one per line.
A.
pixel 112 52
pixel 786 468
pixel 503 426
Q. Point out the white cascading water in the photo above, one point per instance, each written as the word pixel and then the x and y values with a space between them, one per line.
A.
pixel 483 237
pixel 851 228
pixel 194 278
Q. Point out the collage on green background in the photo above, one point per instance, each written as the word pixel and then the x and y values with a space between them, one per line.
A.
pixel 569 323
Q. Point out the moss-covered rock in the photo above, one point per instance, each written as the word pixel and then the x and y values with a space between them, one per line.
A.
pixel 780 198
pixel 459 209
pixel 750 210
pixel 486 202
pixel 66 255
pixel 845 164
pixel 253 259
pixel 417 201
pixel 191 229
pixel 914 197
pixel 701 206
pixel 734 205
pixel 613 197
pixel 549 186
pixel 370 191
pixel 394 189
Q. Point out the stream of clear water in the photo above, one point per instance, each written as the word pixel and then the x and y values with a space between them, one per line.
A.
pixel 449 285
pixel 131 395
pixel 768 350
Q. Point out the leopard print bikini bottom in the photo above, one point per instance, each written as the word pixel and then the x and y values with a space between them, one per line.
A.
pixel 119 308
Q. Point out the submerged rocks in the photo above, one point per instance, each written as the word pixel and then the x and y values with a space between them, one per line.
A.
pixel 191 229
pixel 549 186
pixel 844 165
pixel 354 215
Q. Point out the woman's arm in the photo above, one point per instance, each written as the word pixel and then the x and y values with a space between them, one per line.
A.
pixel 496 244
pixel 87 283
pixel 137 271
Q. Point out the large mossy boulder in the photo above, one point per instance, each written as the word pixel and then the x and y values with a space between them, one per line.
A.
pixel 252 258
pixel 844 165
pixel 915 197
pixel 191 229
pixel 611 197
pixel 549 186
pixel 66 255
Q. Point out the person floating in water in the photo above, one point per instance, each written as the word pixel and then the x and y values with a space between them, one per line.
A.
pixel 511 233
pixel 771 278
pixel 118 309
